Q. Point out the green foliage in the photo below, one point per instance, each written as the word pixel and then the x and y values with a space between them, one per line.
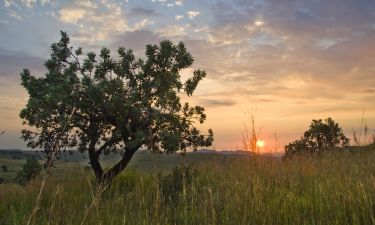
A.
pixel 4 168
pixel 101 104
pixel 30 170
pixel 321 136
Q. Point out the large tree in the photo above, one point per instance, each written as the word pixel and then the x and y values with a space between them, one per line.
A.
pixel 102 104
pixel 321 136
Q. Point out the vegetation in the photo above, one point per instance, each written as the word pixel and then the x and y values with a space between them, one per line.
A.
pixel 336 188
pixel 4 168
pixel 99 104
pixel 30 170
pixel 321 136
pixel 363 136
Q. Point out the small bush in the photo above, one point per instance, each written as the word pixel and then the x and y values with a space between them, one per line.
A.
pixel 4 168
pixel 30 170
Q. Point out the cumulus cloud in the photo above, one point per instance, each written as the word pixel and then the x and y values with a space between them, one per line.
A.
pixel 71 15
pixel 97 20
pixel 192 14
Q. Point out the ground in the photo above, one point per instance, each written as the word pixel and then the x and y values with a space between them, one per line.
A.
pixel 334 188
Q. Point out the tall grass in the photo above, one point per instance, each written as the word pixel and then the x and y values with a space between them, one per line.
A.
pixel 338 188
pixel 363 136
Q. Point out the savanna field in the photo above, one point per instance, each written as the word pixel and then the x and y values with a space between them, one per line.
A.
pixel 207 188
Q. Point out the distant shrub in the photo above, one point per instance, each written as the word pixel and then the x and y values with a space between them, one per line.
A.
pixel 4 168
pixel 30 170
pixel 322 136
pixel 2 180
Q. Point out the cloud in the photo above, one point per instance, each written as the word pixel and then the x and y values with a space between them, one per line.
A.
pixel 142 24
pixel 97 21
pixel 272 48
pixel 170 31
pixel 26 3
pixel 179 17
pixel 136 40
pixel 368 91
pixel 7 3
pixel 217 102
pixel 142 12
pixel 29 3
pixel 72 15
pixel 14 14
pixel 192 14
pixel 12 63
pixel 179 3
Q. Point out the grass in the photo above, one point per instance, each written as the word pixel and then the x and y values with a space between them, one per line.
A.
pixel 338 188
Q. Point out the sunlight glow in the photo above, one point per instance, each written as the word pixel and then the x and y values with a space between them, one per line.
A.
pixel 260 143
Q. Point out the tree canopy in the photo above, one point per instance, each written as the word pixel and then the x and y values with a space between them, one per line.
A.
pixel 322 136
pixel 101 103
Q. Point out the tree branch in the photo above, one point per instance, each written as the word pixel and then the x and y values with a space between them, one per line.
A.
pixel 108 143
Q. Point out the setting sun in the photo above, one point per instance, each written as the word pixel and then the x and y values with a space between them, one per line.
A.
pixel 260 144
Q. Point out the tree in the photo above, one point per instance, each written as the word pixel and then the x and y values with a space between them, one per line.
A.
pixel 321 136
pixel 30 170
pixel 102 104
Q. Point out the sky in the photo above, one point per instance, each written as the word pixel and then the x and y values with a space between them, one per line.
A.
pixel 286 61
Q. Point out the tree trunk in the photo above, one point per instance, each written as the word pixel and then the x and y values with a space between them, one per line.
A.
pixel 107 178
pixel 94 161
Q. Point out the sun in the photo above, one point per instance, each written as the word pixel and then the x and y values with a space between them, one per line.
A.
pixel 260 143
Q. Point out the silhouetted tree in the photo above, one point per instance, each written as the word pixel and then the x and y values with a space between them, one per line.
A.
pixel 321 136
pixel 101 104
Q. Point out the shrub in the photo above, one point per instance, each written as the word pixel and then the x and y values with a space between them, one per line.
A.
pixel 4 168
pixel 30 170
pixel 321 136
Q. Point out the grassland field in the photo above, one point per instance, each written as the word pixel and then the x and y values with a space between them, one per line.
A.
pixel 208 188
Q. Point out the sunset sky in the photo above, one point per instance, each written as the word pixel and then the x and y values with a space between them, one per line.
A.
pixel 292 60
